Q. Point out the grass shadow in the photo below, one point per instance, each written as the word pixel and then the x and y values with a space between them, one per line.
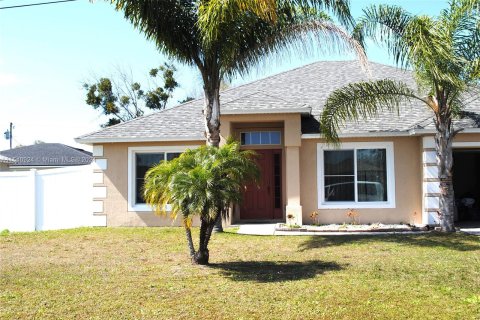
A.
pixel 274 271
pixel 456 241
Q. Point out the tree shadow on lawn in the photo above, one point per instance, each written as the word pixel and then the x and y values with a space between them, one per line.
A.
pixel 456 241
pixel 273 271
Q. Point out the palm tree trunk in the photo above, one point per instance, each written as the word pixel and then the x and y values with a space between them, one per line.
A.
pixel 212 125
pixel 191 247
pixel 443 142
pixel 202 255
pixel 212 116
pixel 213 226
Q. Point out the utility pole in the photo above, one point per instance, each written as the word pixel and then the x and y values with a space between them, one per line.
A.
pixel 9 134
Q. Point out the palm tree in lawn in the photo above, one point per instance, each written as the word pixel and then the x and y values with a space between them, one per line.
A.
pixel 444 53
pixel 223 38
pixel 201 182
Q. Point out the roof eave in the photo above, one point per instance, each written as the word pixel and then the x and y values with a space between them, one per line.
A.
pixel 360 134
pixel 91 141
pixel 433 131
pixel 408 133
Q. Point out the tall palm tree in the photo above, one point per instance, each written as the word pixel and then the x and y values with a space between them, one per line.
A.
pixel 201 182
pixel 227 37
pixel 444 53
pixel 223 38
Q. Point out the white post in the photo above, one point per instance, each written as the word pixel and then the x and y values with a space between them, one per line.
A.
pixel 431 185
pixel 34 205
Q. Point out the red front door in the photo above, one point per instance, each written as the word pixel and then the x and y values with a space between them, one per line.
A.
pixel 264 201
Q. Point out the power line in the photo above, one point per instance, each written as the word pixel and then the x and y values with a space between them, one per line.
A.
pixel 36 4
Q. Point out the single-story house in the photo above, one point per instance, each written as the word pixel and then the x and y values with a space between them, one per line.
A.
pixel 46 156
pixel 385 168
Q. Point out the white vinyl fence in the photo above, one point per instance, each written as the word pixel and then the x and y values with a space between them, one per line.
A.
pixel 47 199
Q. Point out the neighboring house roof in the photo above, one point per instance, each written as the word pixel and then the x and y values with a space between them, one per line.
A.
pixel 7 160
pixel 303 90
pixel 47 154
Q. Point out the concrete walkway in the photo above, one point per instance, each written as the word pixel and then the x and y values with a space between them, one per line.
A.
pixel 470 227
pixel 474 231
pixel 268 229
pixel 257 229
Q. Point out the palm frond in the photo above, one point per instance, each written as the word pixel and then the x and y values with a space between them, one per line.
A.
pixel 385 24
pixel 214 15
pixel 200 182
pixel 252 40
pixel 362 100
pixel 421 42
pixel 171 24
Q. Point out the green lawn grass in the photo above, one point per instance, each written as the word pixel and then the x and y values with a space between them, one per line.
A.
pixel 145 273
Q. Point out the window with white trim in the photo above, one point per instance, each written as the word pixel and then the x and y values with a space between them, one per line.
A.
pixel 140 159
pixel 356 175
pixel 260 138
pixel 143 162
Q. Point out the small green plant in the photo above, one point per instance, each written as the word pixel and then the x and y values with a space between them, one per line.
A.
pixel 343 226
pixel 5 232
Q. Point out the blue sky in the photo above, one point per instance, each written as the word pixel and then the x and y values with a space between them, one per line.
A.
pixel 47 52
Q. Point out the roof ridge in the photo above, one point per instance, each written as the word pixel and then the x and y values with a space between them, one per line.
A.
pixel 420 124
pixel 291 70
pixel 241 97
pixel 279 98
pixel 77 149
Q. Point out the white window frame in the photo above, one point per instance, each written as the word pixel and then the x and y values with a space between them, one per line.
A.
pixel 390 203
pixel 261 144
pixel 132 151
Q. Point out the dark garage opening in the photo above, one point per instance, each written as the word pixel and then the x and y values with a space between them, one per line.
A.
pixel 466 184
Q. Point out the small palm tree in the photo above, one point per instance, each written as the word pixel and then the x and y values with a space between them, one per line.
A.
pixel 444 53
pixel 203 182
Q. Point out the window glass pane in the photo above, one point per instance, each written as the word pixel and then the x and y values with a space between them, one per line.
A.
pixel 242 138
pixel 254 137
pixel 372 175
pixel 275 137
pixel 265 137
pixel 339 162
pixel 143 162
pixel 173 155
pixel 339 188
pixel 260 137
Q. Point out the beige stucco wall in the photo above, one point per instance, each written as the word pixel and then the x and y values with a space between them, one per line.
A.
pixel 467 137
pixel 408 174
pixel 408 184
pixel 115 206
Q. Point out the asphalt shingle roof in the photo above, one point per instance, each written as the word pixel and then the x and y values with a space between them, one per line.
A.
pixel 304 88
pixel 48 154
pixel 4 159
